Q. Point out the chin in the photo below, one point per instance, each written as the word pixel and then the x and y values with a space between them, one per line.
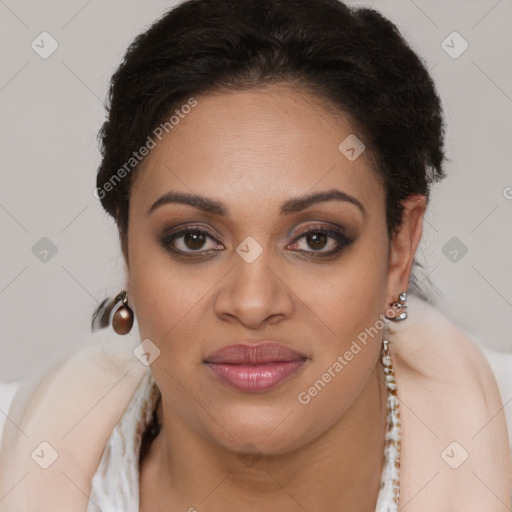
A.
pixel 259 432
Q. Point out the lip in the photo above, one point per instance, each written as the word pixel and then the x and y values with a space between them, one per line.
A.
pixel 253 367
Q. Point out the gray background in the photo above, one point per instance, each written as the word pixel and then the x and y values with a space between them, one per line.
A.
pixel 52 109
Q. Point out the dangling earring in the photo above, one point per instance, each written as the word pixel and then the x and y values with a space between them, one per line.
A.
pixel 121 316
pixel 399 308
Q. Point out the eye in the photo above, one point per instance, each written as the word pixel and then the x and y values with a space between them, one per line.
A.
pixel 189 240
pixel 319 237
pixel 193 241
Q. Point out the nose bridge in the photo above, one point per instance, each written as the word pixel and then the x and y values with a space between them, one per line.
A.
pixel 254 291
pixel 252 277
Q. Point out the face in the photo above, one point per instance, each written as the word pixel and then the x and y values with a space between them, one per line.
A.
pixel 237 267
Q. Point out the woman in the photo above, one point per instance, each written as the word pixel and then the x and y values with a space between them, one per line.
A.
pixel 268 165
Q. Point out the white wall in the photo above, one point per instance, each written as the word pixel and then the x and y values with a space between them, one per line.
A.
pixel 51 110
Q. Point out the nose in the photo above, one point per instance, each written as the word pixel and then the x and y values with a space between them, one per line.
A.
pixel 255 293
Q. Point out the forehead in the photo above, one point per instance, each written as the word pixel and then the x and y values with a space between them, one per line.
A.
pixel 255 146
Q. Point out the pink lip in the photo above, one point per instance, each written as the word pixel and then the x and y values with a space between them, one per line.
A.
pixel 254 368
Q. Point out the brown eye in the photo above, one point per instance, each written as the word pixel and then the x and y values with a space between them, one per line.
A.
pixel 189 240
pixel 194 240
pixel 316 239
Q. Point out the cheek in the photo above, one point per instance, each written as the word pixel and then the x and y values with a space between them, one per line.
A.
pixel 350 305
pixel 351 298
pixel 168 308
pixel 166 296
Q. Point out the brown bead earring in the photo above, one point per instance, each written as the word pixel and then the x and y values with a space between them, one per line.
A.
pixel 121 316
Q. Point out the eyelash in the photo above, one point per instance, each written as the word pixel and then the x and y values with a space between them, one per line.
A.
pixel 338 235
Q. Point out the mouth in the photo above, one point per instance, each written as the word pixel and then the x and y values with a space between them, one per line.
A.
pixel 254 368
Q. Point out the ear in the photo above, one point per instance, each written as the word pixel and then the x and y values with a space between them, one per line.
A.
pixel 403 246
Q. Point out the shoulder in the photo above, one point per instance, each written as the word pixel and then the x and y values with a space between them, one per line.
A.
pixel 61 419
pixel 434 349
pixel 455 441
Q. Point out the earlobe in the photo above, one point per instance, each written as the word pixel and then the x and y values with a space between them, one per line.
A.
pixel 404 244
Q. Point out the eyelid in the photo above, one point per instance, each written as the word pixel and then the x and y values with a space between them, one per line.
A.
pixel 181 230
pixel 336 233
pixel 322 226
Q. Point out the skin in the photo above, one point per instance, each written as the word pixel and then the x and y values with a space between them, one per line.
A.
pixel 252 151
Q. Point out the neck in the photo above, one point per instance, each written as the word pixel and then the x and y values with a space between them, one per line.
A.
pixel 338 471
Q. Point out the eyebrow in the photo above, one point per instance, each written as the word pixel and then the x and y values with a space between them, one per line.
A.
pixel 293 205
